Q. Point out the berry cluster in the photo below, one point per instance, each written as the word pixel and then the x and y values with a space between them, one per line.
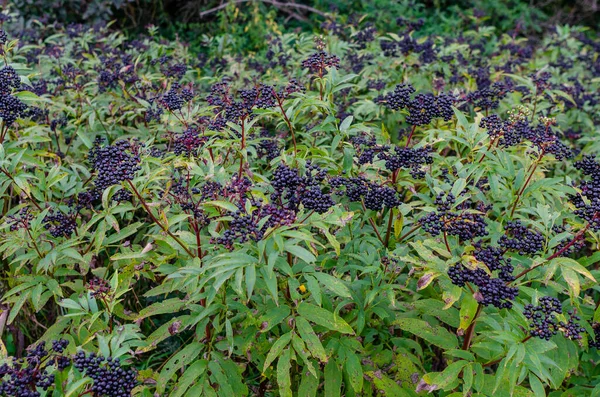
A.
pixel 423 108
pixel 572 329
pixel 26 376
pixel 318 62
pixel 292 190
pixel 60 224
pixel 251 226
pixel 542 319
pixel 465 224
pixel 519 238
pixel 20 220
pixel 395 157
pixel 494 259
pixel 98 287
pixel 114 163
pixel 228 109
pixel 189 142
pixel 588 201
pixel 492 291
pixel 109 378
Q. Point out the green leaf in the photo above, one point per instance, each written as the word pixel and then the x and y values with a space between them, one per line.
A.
pixel 333 379
pixel 283 374
pixel 311 339
pixel 324 318
pixel 441 380
pixel 468 308
pixel 273 317
pixel 333 284
pixel 276 349
pixel 179 360
pixel 308 386
pixel 437 336
pixel 300 252
pixel 354 370
pixel 191 374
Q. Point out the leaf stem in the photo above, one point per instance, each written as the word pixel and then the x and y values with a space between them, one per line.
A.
pixel 159 224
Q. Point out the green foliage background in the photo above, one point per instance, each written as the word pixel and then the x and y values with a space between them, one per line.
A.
pixel 353 302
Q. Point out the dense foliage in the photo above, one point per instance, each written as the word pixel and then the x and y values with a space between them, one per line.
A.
pixel 357 212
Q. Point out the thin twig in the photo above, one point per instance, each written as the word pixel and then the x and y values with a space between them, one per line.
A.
pixel 274 3
pixel 163 227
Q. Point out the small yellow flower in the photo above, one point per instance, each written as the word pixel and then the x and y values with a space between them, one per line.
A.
pixel 302 288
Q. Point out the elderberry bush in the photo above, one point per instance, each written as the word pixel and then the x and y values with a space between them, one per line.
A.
pixel 356 209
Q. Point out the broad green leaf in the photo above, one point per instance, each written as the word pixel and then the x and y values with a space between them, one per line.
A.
pixel 276 349
pixel 438 336
pixel 324 318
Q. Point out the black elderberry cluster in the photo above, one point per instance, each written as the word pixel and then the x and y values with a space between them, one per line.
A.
pixel 319 61
pixel 572 329
pixel 518 129
pixel 492 291
pixel 595 343
pixel 488 95
pixel 508 133
pixel 291 190
pixel 29 376
pixel 172 101
pixel 11 107
pixel 396 157
pixel 268 146
pixel 465 224
pixel 542 318
pixel 189 142
pixel 20 220
pixel 114 163
pixel 227 108
pixel 519 238
pixel 422 108
pixel 115 67
pixel 588 201
pixel 60 224
pixel 541 80
pixel 109 378
pixel 251 226
pixel 495 260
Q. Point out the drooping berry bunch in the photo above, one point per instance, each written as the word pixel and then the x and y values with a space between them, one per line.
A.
pixel 20 220
pixel 268 146
pixel 396 157
pixel 227 108
pixel 542 318
pixel 291 190
pixel 375 197
pixel 595 343
pixel 466 224
pixel 494 258
pixel 251 226
pixel 98 287
pixel 488 96
pixel 588 201
pixel 422 108
pixel 507 133
pixel 11 107
pixel 318 62
pixel 114 163
pixel 492 291
pixel 189 142
pixel 60 224
pixel 519 238
pixel 572 329
pixel 27 377
pixel 109 378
